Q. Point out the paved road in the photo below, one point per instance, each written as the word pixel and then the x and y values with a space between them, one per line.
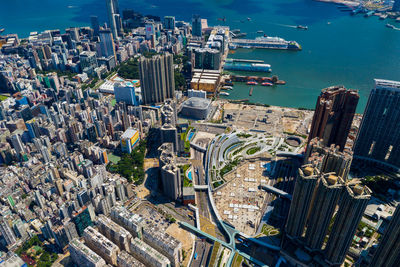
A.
pixel 203 249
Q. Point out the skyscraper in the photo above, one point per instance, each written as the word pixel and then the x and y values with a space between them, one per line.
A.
pixel 107 47
pixel 324 203
pixel 112 10
pixel 196 26
pixel 157 78
pixel 333 115
pixel 7 232
pixel 301 202
pixel 328 159
pixel 378 139
pixel 388 251
pixel 95 25
pixel 352 205
pixel 170 174
pixel 169 22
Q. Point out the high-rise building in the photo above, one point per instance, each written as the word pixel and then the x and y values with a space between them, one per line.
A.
pixel 324 203
pixel 88 60
pixel 196 26
pixel 157 78
pixel 301 201
pixel 333 115
pixel 125 93
pixel 352 205
pixel 328 159
pixel 207 58
pixel 7 232
pixel 101 245
pixel 396 6
pixel 170 174
pixel 84 256
pixel 107 47
pixel 117 234
pixel 388 251
pixel 378 139
pixel 147 254
pixel 82 219
pixel 169 22
pixel 95 25
pixel 112 10
pixel 33 128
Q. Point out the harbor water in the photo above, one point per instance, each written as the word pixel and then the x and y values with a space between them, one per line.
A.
pixel 337 48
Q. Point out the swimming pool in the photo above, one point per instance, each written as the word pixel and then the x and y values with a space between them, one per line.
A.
pixel 190 175
pixel 190 136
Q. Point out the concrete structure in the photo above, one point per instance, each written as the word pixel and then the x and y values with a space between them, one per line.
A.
pixel 196 26
pixel 205 80
pixel 388 251
pixel 125 92
pixel 170 173
pixel 169 134
pixel 106 45
pixel 129 139
pixel 168 112
pixel 130 221
pixel 101 245
pixel 324 203
pixel 197 93
pixel 301 201
pixel 84 256
pixel 124 259
pixel 196 108
pixel 112 11
pixel 167 245
pixel 7 232
pixel 169 22
pixel 328 159
pixel 88 61
pixel 148 255
pixel 378 139
pixel 352 205
pixel 207 58
pixel 333 115
pixel 157 78
pixel 12 261
pixel 117 234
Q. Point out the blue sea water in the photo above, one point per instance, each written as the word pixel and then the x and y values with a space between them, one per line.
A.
pixel 337 48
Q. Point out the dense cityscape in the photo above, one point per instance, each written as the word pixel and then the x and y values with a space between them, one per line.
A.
pixel 119 149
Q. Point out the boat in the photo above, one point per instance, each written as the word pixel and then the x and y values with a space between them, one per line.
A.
pixel 227 88
pixel 251 91
pixel 260 31
pixel 390 26
pixel 246 66
pixel 302 27
pixel 398 19
pixel 235 31
pixel 266 42
pixel 383 16
pixel 2 30
pixel 252 83
pixel 280 82
pixel 248 19
pixel 369 13
pixel 266 84
pixel 222 19
pixel 224 93
pixel 241 34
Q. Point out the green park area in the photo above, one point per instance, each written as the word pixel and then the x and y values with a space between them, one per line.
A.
pixel 3 97
pixel 269 230
pixel 35 253
pixel 130 166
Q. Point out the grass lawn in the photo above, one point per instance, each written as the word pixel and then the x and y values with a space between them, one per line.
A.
pixel 253 150
pixel 113 158
pixel 237 260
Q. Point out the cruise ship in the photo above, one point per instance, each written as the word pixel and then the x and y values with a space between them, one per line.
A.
pixel 265 42
pixel 247 65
